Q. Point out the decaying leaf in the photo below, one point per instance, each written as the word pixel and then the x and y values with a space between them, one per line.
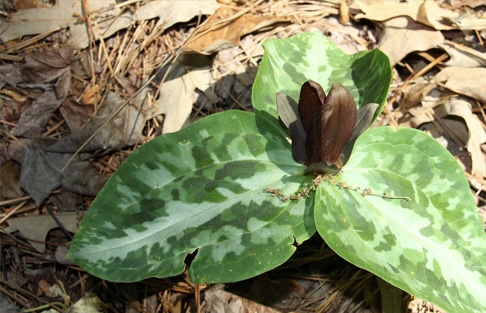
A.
pixel 89 303
pixel 81 177
pixel 108 16
pixel 43 224
pixel 401 35
pixel 122 130
pixel 425 12
pixel 63 14
pixel 9 73
pixel 414 94
pixel 41 170
pixel 39 176
pixel 219 300
pixel 177 96
pixel 174 11
pixel 45 76
pixel 44 66
pixel 466 81
pixel 9 181
pixel 476 134
pixel 75 114
pixel 463 56
pixel 34 119
pixel 224 28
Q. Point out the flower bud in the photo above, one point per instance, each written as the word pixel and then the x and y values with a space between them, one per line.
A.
pixel 328 121
pixel 324 128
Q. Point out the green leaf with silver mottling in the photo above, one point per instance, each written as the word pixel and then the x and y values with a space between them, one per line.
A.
pixel 288 63
pixel 200 189
pixel 401 208
pixel 432 246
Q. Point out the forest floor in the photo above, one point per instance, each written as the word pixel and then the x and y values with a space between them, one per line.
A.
pixel 108 76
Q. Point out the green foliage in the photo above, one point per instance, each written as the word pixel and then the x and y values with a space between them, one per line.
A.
pixel 288 63
pixel 401 207
pixel 431 245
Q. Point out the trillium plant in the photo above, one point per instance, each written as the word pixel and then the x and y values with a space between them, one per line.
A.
pixel 239 191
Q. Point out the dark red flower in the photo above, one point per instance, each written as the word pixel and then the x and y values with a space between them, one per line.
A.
pixel 324 128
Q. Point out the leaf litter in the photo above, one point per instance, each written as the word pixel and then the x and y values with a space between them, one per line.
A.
pixel 85 83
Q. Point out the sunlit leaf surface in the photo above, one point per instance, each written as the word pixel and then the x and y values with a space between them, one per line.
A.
pixel 432 245
pixel 198 190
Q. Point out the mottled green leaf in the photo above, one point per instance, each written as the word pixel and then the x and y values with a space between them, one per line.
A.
pixel 432 246
pixel 401 207
pixel 200 189
pixel 288 63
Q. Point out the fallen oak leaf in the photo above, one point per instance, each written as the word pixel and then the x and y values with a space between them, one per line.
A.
pixel 224 28
pixel 476 133
pixel 425 12
pixel 466 81
pixel 43 224
pixel 401 35
pixel 34 119
pixel 463 56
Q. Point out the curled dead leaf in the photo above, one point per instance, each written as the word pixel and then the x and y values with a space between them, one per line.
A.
pixel 224 28
pixel 466 81
pixel 425 12
pixel 91 95
pixel 402 35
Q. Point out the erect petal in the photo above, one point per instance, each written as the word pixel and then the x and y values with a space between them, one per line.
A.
pixel 332 126
pixel 286 108
pixel 287 111
pixel 363 122
pixel 311 98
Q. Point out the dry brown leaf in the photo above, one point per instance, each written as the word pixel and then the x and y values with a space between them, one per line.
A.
pixel 91 95
pixel 466 81
pixel 124 129
pixel 476 134
pixel 75 115
pixel 177 97
pixel 414 94
pixel 34 119
pixel 29 4
pixel 425 12
pixel 10 74
pixel 62 14
pixel 469 3
pixel 383 10
pixel 41 170
pixel 402 36
pixel 108 15
pixel 463 56
pixel 89 303
pixel 37 227
pixel 223 30
pixel 45 76
pixel 171 12
pixel 9 181
pixel 219 300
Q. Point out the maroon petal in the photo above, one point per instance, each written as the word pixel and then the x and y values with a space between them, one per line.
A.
pixel 332 126
pixel 312 97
